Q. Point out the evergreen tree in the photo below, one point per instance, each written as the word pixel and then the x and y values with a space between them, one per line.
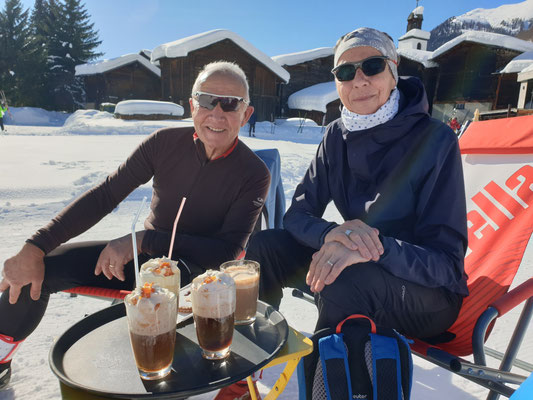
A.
pixel 71 41
pixel 15 50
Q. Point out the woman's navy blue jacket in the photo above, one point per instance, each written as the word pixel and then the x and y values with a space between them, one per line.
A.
pixel 403 177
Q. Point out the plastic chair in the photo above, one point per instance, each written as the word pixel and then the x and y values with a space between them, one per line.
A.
pixel 498 169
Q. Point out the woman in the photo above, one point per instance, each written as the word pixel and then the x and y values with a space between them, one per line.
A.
pixel 395 176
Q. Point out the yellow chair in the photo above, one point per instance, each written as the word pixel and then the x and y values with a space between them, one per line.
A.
pixel 296 347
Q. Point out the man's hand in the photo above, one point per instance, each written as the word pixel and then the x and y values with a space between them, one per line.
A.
pixel 27 267
pixel 329 262
pixel 115 255
pixel 356 235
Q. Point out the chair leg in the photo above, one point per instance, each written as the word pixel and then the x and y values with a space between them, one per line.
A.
pixel 283 379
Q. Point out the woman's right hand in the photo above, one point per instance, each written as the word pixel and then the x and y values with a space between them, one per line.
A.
pixel 356 235
pixel 26 267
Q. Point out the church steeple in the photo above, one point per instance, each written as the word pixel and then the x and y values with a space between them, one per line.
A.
pixel 414 21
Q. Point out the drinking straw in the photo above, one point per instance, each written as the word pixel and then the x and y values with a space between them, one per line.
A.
pixel 134 242
pixel 174 228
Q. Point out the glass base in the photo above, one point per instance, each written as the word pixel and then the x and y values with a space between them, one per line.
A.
pixel 216 355
pixel 245 321
pixel 154 375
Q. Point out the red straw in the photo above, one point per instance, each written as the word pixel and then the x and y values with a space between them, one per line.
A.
pixel 174 228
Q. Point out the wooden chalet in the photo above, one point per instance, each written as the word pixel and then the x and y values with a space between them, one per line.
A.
pixel 468 70
pixel 307 68
pixel 182 60
pixel 131 76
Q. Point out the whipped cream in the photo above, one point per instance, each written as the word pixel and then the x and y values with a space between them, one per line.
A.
pixel 151 312
pixel 213 295
pixel 163 272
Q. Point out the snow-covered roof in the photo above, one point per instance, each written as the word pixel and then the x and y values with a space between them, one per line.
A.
pixel 519 63
pixel 416 33
pixel 421 56
pixel 303 56
pixel 418 10
pixel 182 47
pixel 314 98
pixel 147 107
pixel 488 38
pixel 99 67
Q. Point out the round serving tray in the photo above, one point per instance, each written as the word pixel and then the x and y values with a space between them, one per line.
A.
pixel 95 356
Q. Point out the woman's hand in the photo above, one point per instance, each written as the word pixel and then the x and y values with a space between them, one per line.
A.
pixel 329 262
pixel 356 235
pixel 115 255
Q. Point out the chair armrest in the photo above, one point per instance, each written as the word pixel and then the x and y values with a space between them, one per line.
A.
pixel 513 297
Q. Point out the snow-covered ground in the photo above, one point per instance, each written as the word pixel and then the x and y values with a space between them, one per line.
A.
pixel 46 165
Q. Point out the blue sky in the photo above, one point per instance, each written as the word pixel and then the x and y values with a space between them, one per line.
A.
pixel 273 26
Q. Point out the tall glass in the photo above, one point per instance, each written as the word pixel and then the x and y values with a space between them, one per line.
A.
pixel 245 273
pixel 151 313
pixel 213 308
pixel 163 272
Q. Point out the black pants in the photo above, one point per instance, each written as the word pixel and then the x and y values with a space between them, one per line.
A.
pixel 66 267
pixel 367 289
pixel 2 123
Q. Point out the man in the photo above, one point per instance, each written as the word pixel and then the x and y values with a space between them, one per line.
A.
pixel 225 184
pixel 395 176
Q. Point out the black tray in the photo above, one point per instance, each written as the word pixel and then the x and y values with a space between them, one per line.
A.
pixel 95 356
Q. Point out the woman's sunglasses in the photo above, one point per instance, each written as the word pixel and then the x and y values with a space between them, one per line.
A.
pixel 210 101
pixel 370 66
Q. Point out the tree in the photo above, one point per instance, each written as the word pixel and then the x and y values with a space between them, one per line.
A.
pixel 72 41
pixel 14 50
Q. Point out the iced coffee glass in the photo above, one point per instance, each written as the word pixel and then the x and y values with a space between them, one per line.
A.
pixel 245 273
pixel 151 313
pixel 213 308
pixel 163 272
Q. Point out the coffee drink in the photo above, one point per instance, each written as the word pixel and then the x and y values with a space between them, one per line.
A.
pixel 245 273
pixel 151 314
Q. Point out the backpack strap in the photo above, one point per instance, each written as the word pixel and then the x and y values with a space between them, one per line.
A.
pixel 335 369
pixel 373 328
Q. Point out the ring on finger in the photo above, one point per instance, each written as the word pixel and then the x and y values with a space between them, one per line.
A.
pixel 111 266
pixel 348 231
pixel 329 263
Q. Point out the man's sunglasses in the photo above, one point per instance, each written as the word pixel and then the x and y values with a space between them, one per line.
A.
pixel 370 66
pixel 210 101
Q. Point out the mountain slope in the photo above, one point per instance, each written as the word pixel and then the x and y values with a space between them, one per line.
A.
pixel 509 19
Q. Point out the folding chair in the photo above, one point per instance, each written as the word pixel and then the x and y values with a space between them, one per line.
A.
pixel 498 168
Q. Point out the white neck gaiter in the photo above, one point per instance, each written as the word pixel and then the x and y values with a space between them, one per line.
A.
pixel 359 122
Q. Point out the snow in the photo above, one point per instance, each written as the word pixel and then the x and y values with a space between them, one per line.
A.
pixel 519 63
pixel 147 107
pixel 61 162
pixel 496 16
pixel 416 33
pixel 303 56
pixel 418 10
pixel 421 56
pixel 182 47
pixel 488 38
pixel 314 98
pixel 99 67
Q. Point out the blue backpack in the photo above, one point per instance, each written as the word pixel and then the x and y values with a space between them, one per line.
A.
pixel 357 360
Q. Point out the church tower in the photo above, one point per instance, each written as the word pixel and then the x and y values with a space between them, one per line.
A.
pixel 415 38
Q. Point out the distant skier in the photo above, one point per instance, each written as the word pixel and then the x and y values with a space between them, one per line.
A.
pixel 455 125
pixel 3 108
pixel 251 123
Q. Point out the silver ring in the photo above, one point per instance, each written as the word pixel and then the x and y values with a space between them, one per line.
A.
pixel 111 266
pixel 348 231
pixel 330 263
